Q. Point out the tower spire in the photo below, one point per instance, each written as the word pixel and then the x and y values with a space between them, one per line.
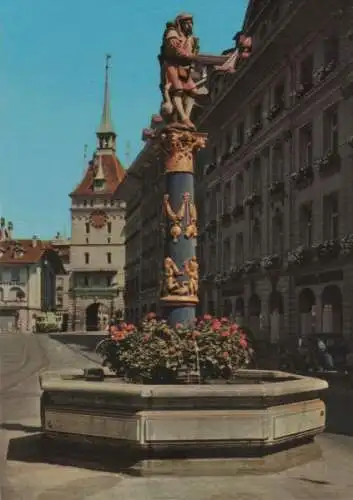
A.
pixel 105 133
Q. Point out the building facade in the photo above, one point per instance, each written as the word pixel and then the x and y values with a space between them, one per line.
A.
pixel 274 184
pixel 143 190
pixel 97 251
pixel 28 273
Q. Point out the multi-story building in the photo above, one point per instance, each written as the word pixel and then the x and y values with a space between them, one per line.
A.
pixel 274 187
pixel 97 251
pixel 28 272
pixel 62 246
pixel 143 233
pixel 274 184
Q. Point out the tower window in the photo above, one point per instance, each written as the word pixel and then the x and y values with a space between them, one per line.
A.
pixel 85 203
pixel 109 257
pixel 92 203
pixel 86 258
pixel 87 227
pixel 109 227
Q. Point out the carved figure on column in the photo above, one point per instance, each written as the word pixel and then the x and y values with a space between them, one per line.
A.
pixel 191 267
pixel 171 285
pixel 190 215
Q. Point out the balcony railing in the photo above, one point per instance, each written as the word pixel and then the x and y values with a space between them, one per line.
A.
pixel 12 283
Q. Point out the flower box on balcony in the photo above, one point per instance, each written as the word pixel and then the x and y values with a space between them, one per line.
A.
pixel 298 257
pixel 330 163
pixel 252 199
pixel 236 272
pixel 276 189
pixel 326 250
pixel 271 262
pixel 254 129
pixel 238 211
pixel 346 245
pixel 251 266
pixel 274 111
pixel 303 178
pixel 302 89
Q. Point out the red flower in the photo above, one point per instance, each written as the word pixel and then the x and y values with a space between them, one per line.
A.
pixel 207 317
pixel 243 342
pixel 226 333
pixel 216 325
pixel 130 327
pixel 224 320
pixel 151 315
pixel 178 326
pixel 234 328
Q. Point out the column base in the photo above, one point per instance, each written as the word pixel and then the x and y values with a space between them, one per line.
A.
pixel 179 300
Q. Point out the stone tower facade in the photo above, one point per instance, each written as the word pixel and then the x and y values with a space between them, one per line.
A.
pixel 97 250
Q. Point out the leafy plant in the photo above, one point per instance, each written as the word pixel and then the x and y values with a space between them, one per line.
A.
pixel 154 352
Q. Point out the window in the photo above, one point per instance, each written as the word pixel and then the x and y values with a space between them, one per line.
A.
pixel 88 226
pixel 277 234
pixel 306 72
pixel 239 189
pixel 279 95
pixel 239 248
pixel 109 257
pixel 227 197
pixel 277 163
pixel 108 281
pixel 85 281
pixel 331 51
pixel 228 142
pixel 109 240
pixel 212 258
pixel 240 134
pixel 331 217
pixel 85 203
pixel 306 224
pixel 330 123
pixel 256 239
pixel 256 182
pixel 226 254
pixel 109 227
pixel 306 145
pixel 92 203
pixel 86 258
pixel 257 114
pixel 15 275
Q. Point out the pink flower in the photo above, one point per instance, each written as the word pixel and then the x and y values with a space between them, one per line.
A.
pixel 178 326
pixel 207 317
pixel 226 355
pixel 146 338
pixel 243 342
pixel 216 325
pixel 224 320
pixel 130 327
pixel 226 333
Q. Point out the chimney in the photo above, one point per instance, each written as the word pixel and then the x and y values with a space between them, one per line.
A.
pixel 9 230
pixel 34 241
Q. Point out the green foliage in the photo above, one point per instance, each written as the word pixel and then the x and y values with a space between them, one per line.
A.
pixel 156 353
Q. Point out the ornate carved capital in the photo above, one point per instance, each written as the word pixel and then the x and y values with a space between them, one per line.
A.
pixel 179 147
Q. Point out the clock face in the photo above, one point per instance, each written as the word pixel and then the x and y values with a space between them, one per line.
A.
pixel 98 219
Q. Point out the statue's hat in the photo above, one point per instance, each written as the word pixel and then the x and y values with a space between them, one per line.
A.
pixel 184 16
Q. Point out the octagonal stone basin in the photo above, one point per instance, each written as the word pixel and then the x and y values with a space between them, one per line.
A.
pixel 260 410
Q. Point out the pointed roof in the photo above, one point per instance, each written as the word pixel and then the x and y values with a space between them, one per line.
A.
pixel 106 125
pixel 113 174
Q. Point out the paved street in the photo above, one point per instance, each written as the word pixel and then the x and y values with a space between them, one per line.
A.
pixel 27 477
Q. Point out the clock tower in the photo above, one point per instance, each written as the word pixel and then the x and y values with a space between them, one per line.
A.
pixel 97 250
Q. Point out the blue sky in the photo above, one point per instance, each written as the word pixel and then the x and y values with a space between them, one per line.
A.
pixel 51 90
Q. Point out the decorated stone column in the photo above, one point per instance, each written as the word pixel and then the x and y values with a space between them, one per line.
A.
pixel 179 291
pixel 174 135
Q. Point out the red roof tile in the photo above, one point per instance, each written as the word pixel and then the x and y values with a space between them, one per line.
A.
pixel 22 251
pixel 114 173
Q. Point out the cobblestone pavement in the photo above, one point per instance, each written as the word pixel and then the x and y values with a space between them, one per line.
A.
pixel 25 478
